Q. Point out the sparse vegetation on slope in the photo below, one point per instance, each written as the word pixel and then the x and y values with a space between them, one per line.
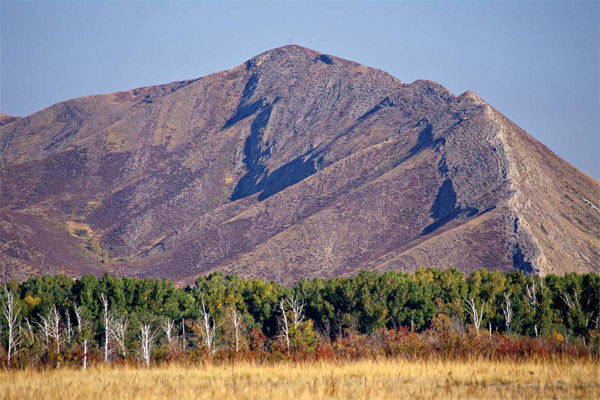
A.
pixel 294 164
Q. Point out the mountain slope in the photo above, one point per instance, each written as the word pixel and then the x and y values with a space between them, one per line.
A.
pixel 293 164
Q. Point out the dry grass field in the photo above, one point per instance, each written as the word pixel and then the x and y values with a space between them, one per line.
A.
pixel 385 379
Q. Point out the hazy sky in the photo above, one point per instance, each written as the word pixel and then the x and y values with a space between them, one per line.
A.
pixel 537 62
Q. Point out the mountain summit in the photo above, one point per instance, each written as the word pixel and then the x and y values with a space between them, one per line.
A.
pixel 294 164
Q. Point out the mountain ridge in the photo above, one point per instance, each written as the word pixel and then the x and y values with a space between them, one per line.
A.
pixel 292 164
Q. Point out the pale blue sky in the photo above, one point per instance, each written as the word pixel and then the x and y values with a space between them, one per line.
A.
pixel 537 62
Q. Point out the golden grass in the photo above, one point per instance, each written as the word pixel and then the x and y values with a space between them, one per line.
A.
pixel 385 379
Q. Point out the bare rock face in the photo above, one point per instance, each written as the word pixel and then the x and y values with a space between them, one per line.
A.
pixel 293 164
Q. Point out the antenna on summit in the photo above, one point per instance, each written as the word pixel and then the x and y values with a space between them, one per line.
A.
pixel 290 41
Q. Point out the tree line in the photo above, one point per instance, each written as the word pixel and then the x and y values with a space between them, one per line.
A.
pixel 57 320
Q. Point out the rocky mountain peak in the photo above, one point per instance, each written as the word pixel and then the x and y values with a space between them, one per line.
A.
pixel 295 163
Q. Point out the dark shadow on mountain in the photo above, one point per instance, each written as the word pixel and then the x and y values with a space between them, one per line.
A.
pixel 425 140
pixel 326 59
pixel 445 209
pixel 249 183
pixel 246 108
pixel 382 104
pixel 287 175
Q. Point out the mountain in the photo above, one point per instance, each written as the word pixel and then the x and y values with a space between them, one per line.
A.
pixel 294 164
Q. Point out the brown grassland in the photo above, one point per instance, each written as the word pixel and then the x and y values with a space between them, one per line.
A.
pixel 364 379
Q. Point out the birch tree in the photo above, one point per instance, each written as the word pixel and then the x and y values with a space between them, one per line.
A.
pixel 11 314
pixel 571 302
pixel 476 316
pixel 183 336
pixel 167 328
pixel 285 328
pixel 531 301
pixel 44 330
pixel 235 321
pixel 108 350
pixel 54 323
pixel 83 331
pixel 69 331
pixel 27 333
pixel 579 313
pixel 147 337
pixel 507 311
pixel 531 292
pixel 118 329
pixel 49 327
pixel 208 329
pixel 295 308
